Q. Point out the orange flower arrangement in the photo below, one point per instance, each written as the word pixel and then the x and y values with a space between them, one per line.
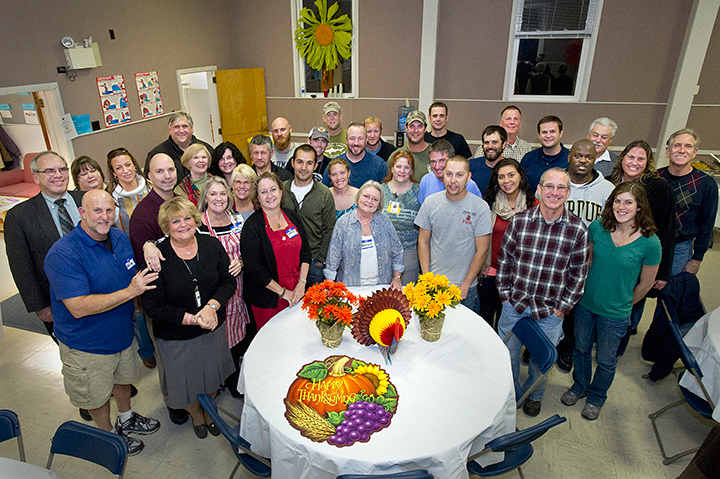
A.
pixel 331 302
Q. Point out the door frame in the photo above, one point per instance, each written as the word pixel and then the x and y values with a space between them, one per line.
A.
pixel 212 90
pixel 57 110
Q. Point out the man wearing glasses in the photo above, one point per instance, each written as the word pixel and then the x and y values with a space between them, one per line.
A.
pixel 542 267
pixel 33 226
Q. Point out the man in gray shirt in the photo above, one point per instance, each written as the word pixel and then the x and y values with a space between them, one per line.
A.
pixel 455 232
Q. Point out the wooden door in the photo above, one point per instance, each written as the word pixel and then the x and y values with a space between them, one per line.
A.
pixel 243 110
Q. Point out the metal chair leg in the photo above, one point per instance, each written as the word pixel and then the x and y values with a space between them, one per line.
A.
pixel 232 474
pixel 522 476
pixel 653 417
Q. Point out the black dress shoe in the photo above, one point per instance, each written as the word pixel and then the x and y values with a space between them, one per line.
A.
pixel 531 408
pixel 213 429
pixel 201 431
pixel 85 414
pixel 564 362
pixel 133 391
pixel 178 416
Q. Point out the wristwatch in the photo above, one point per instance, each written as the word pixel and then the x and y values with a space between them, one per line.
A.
pixel 212 306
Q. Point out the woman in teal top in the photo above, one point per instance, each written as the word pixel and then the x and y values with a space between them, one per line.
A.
pixel 401 206
pixel 625 258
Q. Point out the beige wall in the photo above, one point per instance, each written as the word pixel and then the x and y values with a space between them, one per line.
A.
pixel 150 35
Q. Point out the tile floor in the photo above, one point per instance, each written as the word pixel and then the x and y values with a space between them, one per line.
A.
pixel 620 444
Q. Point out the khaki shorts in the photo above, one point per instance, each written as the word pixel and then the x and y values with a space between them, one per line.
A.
pixel 89 378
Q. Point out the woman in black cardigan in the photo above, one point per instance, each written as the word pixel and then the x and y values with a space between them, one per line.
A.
pixel 637 163
pixel 276 253
pixel 187 307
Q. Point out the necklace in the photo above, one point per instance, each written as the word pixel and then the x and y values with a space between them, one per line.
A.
pixel 364 221
pixel 273 220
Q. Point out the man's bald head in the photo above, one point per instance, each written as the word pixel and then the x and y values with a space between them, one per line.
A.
pixel 581 161
pixel 97 213
pixel 281 131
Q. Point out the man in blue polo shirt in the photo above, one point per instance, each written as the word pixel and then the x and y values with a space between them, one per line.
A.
pixel 552 153
pixel 92 286
pixel 363 165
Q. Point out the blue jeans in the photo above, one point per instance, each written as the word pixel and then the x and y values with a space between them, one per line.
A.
pixel 472 301
pixel 683 254
pixel 609 333
pixel 315 274
pixel 146 350
pixel 550 325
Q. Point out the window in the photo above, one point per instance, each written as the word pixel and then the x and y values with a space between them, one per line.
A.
pixel 309 82
pixel 551 49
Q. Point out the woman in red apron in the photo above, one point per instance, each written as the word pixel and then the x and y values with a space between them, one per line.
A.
pixel 276 253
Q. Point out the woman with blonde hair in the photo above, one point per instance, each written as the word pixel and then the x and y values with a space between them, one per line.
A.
pixel 196 159
pixel 244 197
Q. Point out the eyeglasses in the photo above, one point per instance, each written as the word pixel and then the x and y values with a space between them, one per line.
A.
pixel 51 171
pixel 559 188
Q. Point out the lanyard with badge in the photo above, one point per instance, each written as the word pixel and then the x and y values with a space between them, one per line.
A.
pixel 198 301
pixel 394 206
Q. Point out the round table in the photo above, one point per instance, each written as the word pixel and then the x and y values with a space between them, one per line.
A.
pixel 10 469
pixel 703 339
pixel 455 395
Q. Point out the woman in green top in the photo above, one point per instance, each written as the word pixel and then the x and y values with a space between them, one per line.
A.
pixel 196 159
pixel 625 258
pixel 401 206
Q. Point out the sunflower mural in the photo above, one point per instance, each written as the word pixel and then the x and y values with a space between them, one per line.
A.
pixel 321 38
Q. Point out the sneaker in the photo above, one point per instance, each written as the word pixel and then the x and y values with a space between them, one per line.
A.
pixel 570 397
pixel 564 362
pixel 532 408
pixel 138 424
pixel 134 445
pixel 590 411
pixel 178 416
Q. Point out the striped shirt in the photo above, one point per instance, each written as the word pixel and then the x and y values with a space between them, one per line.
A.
pixel 543 265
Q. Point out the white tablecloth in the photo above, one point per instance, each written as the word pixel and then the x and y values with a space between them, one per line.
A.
pixel 704 342
pixel 12 469
pixel 455 395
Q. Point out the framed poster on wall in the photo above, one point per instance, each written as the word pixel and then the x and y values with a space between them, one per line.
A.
pixel 148 89
pixel 113 99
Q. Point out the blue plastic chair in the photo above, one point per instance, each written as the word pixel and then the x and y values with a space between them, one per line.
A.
pixel 92 444
pixel 10 428
pixel 703 406
pixel 417 474
pixel 254 463
pixel 516 446
pixel 542 351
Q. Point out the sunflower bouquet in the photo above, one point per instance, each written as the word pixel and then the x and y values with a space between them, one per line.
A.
pixel 429 298
pixel 330 304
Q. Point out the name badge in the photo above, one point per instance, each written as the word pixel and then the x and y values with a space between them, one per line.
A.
pixel 291 232
pixel 130 264
pixel 394 207
pixel 237 228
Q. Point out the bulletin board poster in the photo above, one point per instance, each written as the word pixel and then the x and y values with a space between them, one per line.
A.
pixel 113 99
pixel 148 89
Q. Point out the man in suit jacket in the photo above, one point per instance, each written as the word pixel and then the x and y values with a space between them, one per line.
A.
pixel 601 133
pixel 33 226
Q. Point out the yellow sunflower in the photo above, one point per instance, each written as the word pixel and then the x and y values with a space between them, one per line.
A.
pixel 376 375
pixel 323 39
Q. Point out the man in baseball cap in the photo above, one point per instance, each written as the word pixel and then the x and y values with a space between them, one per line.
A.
pixel 415 130
pixel 332 116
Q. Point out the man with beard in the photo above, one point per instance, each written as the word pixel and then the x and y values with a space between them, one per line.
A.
pixel 494 139
pixel 283 145
pixel 332 116
pixel 440 152
pixel 552 153
pixel 588 193
pixel 261 153
pixel 438 121
pixel 375 144
pixel 180 125
pixel 601 133
pixel 364 166
pixel 515 148
pixel 315 205
pixel 416 144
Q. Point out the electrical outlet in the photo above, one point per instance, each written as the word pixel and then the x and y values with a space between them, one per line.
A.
pixel 62 69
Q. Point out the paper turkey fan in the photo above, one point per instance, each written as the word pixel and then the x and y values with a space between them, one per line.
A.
pixel 381 319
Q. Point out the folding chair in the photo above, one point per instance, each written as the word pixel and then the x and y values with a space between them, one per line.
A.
pixel 92 444
pixel 10 428
pixel 516 446
pixel 542 351
pixel 417 474
pixel 703 406
pixel 254 463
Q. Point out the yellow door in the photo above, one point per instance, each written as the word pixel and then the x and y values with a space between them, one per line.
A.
pixel 243 111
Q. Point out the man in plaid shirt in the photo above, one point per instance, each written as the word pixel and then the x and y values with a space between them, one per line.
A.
pixel 542 266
